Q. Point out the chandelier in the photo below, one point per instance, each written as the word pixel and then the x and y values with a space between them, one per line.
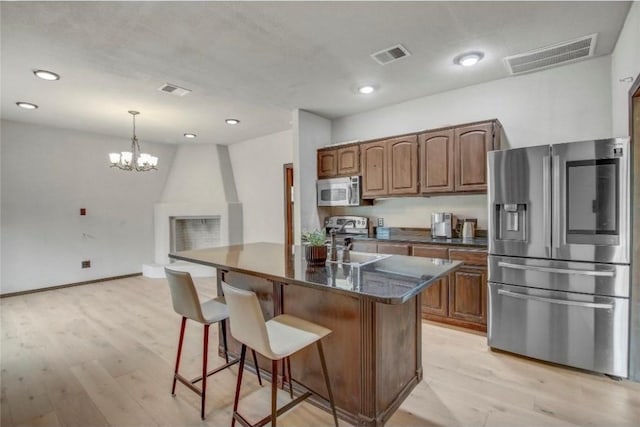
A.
pixel 134 160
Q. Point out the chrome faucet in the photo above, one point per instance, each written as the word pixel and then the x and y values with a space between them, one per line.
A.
pixel 332 235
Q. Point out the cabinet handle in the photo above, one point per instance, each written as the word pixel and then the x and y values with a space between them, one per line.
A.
pixel 555 301
pixel 556 270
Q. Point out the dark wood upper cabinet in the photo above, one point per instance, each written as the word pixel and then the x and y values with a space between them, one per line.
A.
pixel 327 163
pixel 436 161
pixel 373 156
pixel 439 161
pixel 471 144
pixel 349 161
pixel 390 167
pixel 343 161
pixel 403 165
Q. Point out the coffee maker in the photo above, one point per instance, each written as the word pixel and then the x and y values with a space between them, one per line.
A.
pixel 442 224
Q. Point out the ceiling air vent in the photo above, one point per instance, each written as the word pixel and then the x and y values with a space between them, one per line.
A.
pixel 552 56
pixel 173 89
pixel 390 54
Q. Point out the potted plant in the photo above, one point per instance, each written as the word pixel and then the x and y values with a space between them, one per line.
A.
pixel 315 248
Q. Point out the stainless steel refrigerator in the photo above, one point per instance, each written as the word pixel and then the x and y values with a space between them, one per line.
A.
pixel 559 253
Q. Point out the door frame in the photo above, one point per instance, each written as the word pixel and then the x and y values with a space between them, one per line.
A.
pixel 287 171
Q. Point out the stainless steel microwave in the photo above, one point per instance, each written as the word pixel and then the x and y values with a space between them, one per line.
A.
pixel 339 191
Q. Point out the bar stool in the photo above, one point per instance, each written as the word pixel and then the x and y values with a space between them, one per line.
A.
pixel 275 339
pixel 187 304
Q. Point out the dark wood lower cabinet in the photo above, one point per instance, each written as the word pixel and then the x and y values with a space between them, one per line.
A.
pixel 435 299
pixel 468 295
pixel 459 299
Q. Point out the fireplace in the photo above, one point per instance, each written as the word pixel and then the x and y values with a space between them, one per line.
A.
pixel 194 232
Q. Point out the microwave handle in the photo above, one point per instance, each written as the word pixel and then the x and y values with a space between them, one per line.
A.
pixel 349 194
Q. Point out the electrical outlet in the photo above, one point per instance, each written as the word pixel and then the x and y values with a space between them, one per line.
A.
pixel 380 222
pixel 83 211
pixel 86 264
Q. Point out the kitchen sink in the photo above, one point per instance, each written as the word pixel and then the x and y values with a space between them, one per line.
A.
pixel 359 258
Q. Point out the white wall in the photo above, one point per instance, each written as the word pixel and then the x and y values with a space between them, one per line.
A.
pixel 258 170
pixel 48 174
pixel 625 62
pixel 310 132
pixel 562 104
pixel 195 176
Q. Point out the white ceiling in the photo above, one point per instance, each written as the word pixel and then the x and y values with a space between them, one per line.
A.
pixel 257 61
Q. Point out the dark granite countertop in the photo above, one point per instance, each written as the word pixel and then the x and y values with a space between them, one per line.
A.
pixel 476 242
pixel 391 279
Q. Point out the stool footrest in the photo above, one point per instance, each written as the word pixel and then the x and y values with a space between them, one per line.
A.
pixel 279 412
pixel 215 371
pixel 188 383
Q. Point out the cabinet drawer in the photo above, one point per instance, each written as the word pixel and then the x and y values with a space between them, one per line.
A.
pixel 478 257
pixel 430 251
pixel 365 246
pixel 394 248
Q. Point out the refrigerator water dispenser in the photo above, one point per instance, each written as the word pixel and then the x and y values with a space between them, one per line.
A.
pixel 511 221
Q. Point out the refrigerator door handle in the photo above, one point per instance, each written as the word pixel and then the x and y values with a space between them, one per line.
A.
pixel 555 164
pixel 555 301
pixel 556 270
pixel 546 202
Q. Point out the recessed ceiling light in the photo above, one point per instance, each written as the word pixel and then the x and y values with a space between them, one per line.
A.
pixel 46 75
pixel 468 59
pixel 190 135
pixel 26 105
pixel 366 90
pixel 232 121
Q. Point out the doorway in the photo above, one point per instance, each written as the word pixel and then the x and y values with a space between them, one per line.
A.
pixel 288 205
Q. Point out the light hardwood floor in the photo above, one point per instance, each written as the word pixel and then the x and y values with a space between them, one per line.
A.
pixel 103 354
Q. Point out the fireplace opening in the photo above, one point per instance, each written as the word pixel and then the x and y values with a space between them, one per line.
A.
pixel 194 232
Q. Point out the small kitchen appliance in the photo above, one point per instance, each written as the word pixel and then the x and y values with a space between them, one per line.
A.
pixel 468 229
pixel 343 191
pixel 442 224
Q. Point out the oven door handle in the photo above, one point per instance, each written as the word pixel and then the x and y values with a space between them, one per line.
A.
pixel 555 301
pixel 556 270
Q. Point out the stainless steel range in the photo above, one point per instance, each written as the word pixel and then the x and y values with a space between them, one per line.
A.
pixel 347 226
pixel 559 245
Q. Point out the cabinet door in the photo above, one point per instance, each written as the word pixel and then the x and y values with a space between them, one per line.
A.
pixel 394 248
pixel 403 165
pixel 468 295
pixel 349 160
pixel 471 144
pixel 364 246
pixel 374 169
pixel 436 161
pixel 327 163
pixel 435 297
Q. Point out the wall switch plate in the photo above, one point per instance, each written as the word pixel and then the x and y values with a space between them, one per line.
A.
pixel 83 211
pixel 380 222
pixel 86 264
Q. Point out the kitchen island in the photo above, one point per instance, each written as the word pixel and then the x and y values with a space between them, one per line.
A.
pixel 371 303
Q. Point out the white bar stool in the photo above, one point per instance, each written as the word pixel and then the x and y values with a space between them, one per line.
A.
pixel 187 303
pixel 276 340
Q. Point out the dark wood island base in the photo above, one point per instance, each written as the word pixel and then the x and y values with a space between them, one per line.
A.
pixel 373 355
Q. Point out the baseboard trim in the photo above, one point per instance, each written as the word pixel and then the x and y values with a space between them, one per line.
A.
pixel 68 285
